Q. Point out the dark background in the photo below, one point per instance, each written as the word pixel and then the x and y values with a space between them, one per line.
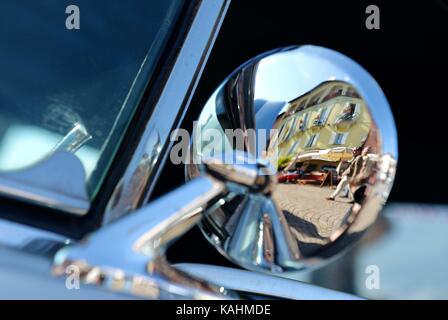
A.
pixel 407 57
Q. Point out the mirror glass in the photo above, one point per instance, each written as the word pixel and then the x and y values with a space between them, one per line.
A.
pixel 325 127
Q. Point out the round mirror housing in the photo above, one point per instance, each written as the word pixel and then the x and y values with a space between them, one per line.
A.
pixel 317 149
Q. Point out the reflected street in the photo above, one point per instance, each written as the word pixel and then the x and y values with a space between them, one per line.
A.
pixel 312 220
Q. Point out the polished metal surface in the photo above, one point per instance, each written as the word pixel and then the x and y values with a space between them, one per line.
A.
pixel 261 284
pixel 141 175
pixel 325 126
pixel 128 255
pixel 25 276
pixel 63 189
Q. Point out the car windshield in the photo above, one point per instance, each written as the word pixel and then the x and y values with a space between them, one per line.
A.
pixel 72 76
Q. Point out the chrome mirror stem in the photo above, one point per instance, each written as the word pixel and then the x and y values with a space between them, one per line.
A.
pixel 128 255
pixel 325 127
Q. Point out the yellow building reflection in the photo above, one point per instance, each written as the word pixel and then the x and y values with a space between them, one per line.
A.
pixel 322 127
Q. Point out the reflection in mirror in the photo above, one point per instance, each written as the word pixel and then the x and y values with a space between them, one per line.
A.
pixel 326 151
pixel 326 128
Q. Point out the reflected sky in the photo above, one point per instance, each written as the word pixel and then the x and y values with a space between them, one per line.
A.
pixel 288 75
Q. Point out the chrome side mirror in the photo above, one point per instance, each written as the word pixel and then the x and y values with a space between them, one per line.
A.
pixel 299 115
pixel 315 136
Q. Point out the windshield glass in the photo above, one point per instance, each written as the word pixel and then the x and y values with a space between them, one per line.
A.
pixel 71 80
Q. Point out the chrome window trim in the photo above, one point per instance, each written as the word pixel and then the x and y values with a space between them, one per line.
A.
pixel 143 170
pixel 18 236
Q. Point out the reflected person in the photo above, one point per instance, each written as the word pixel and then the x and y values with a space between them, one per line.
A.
pixel 352 170
pixel 359 182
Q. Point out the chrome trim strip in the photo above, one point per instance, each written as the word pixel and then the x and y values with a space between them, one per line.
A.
pixel 262 284
pixel 63 189
pixel 173 102
pixel 128 255
pixel 19 236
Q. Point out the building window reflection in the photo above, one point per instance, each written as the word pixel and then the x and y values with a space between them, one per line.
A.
pixel 304 122
pixel 294 147
pixel 321 117
pixel 322 126
pixel 338 138
pixel 311 141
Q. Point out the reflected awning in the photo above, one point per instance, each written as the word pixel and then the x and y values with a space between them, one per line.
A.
pixel 332 155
